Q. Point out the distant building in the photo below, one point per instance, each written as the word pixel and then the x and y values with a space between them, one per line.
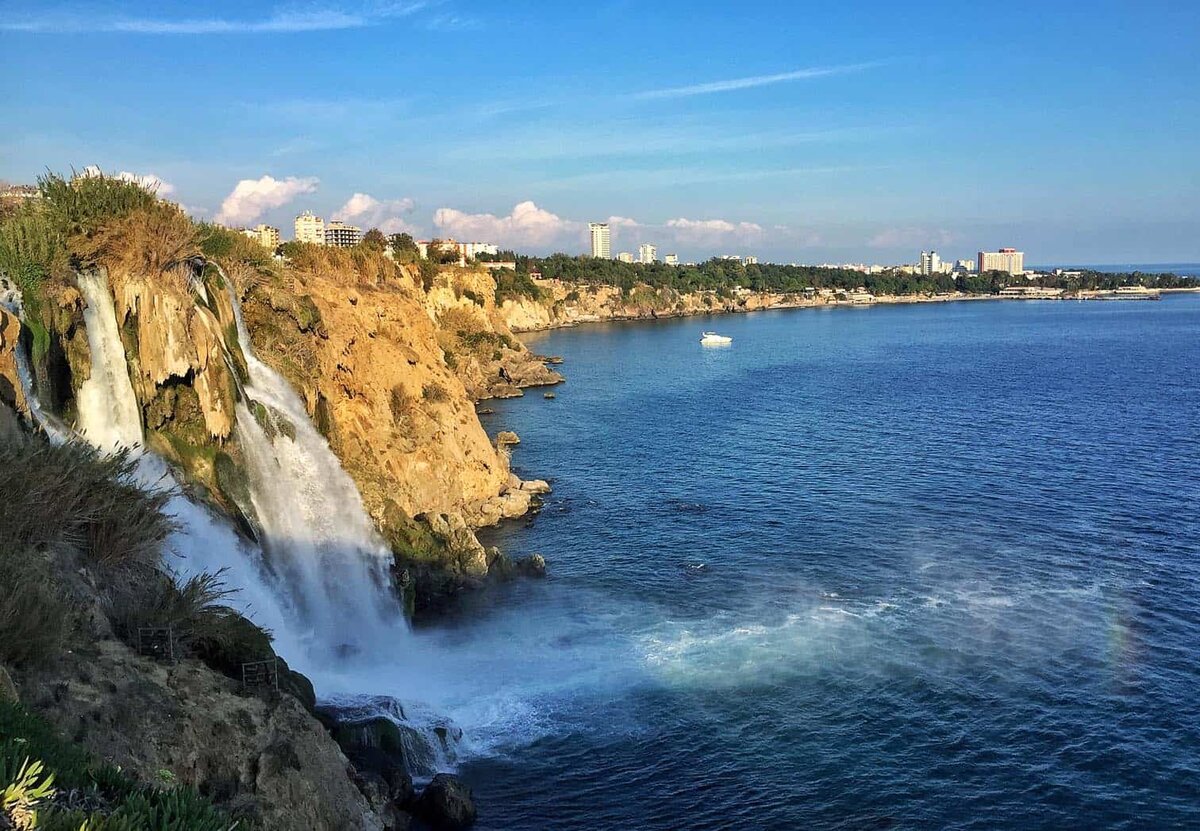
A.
pixel 310 228
pixel 267 236
pixel 1008 260
pixel 501 266
pixel 751 260
pixel 340 235
pixel 732 258
pixel 601 240
pixel 647 253
pixel 625 257
pixel 671 259
pixel 964 265
pixel 931 263
pixel 465 250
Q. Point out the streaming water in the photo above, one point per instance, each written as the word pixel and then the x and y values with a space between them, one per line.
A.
pixel 321 589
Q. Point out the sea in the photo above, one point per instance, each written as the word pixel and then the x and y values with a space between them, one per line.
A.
pixel 930 566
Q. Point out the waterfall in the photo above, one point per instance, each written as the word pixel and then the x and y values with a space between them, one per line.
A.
pixel 110 418
pixel 319 538
pixel 321 583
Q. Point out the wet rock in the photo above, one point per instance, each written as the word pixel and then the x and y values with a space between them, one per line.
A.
pixel 536 486
pixel 532 566
pixel 447 804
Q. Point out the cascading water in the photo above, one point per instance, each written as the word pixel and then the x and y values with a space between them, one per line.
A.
pixel 109 417
pixel 322 589
pixel 319 538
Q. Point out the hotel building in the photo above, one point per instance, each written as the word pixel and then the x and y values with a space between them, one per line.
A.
pixel 340 235
pixel 1009 260
pixel 601 240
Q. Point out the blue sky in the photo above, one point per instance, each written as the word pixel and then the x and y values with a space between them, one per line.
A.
pixel 810 132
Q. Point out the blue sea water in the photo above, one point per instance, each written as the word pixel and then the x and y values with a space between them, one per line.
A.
pixel 906 567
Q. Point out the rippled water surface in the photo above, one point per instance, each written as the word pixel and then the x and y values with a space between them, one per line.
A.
pixel 899 567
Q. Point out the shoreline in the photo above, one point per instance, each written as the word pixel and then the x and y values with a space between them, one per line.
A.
pixel 768 303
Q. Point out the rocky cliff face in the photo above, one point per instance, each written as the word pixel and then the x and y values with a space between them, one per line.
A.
pixel 567 304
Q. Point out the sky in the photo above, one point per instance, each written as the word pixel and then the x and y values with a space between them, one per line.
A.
pixel 795 131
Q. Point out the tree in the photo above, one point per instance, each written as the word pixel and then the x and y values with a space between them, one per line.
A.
pixel 404 248
pixel 375 239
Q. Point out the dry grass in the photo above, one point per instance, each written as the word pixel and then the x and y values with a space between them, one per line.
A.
pixel 72 495
pixel 154 241
pixel 361 265
pixel 33 614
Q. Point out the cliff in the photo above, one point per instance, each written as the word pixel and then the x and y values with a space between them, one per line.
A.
pixel 567 304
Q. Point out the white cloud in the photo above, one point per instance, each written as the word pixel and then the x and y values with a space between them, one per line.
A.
pixel 251 198
pixel 386 215
pixel 282 20
pixel 747 83
pixel 526 225
pixel 912 237
pixel 699 231
pixel 623 222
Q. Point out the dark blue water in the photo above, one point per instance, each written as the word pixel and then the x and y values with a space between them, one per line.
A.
pixel 910 567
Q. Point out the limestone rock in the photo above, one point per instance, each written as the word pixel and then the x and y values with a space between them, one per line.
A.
pixel 447 803
pixel 10 385
pixel 536 486
pixel 263 755
pixel 507 438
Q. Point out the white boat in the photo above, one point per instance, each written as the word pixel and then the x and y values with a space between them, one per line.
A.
pixel 713 339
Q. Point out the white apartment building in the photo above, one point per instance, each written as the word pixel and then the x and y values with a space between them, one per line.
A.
pixel 647 253
pixel 751 260
pixel 1008 260
pixel 340 235
pixel 310 228
pixel 601 240
pixel 671 259
pixel 625 257
pixel 931 263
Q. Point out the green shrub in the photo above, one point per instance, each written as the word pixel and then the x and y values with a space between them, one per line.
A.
pixel 204 625
pixel 429 274
pixel 434 393
pixel 229 247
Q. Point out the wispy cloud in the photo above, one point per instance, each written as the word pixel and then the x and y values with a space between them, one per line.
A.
pixel 290 19
pixel 732 84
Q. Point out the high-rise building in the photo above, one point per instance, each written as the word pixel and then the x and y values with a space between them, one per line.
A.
pixel 340 235
pixel 625 257
pixel 931 263
pixel 310 228
pixel 268 236
pixel 647 253
pixel 601 240
pixel 964 265
pixel 1008 260
pixel 671 259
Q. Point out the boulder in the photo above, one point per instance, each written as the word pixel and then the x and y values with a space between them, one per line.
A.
pixel 447 804
pixel 507 438
pixel 532 566
pixel 536 486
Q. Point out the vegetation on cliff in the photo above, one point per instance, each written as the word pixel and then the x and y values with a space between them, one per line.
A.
pixel 720 276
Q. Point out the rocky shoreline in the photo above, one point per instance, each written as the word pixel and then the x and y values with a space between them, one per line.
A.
pixel 601 304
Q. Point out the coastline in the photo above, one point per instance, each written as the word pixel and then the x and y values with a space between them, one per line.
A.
pixel 603 310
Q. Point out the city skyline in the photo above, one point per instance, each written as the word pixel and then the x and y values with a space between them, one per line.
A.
pixel 800 144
